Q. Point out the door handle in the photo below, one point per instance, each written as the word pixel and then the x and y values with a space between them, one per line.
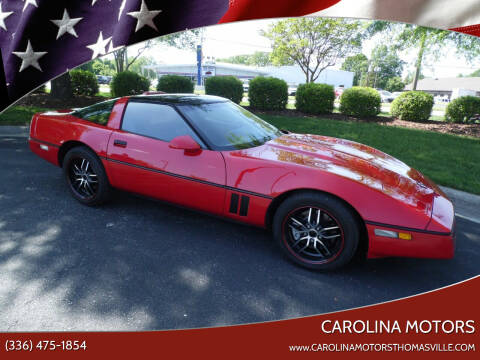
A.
pixel 119 143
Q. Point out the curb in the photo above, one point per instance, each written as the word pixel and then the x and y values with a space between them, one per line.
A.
pixel 467 206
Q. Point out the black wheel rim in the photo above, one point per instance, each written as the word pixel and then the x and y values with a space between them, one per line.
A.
pixel 82 178
pixel 313 235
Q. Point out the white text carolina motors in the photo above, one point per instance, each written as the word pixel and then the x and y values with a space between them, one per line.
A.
pixel 390 327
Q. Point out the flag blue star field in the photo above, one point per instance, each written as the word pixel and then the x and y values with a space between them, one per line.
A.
pixel 41 39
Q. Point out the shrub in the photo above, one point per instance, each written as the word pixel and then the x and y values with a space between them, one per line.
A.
pixel 175 84
pixel 128 83
pixel 463 109
pixel 413 106
pixel 84 83
pixel 268 93
pixel 226 86
pixel 315 98
pixel 395 84
pixel 360 101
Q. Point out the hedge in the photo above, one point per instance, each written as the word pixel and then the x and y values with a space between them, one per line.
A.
pixel 268 93
pixel 128 83
pixel 84 82
pixel 228 87
pixel 463 109
pixel 175 84
pixel 413 106
pixel 361 102
pixel 315 98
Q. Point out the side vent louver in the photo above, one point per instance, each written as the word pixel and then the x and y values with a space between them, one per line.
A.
pixel 244 202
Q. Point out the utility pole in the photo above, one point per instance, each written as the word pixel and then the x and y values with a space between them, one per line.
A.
pixel 199 65
pixel 200 58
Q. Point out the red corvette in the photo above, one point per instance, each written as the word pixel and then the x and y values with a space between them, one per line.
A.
pixel 324 199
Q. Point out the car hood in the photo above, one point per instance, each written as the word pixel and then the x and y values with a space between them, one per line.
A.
pixel 354 161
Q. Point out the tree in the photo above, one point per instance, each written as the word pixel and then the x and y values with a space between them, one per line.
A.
pixel 137 67
pixel 357 64
pixel 427 41
pixel 313 43
pixel 182 40
pixel 395 84
pixel 62 87
pixel 258 58
pixel 103 67
pixel 411 75
pixel 384 65
pixel 88 66
pixel 236 59
pixel 476 73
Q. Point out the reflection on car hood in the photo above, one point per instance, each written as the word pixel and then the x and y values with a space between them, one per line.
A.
pixel 352 160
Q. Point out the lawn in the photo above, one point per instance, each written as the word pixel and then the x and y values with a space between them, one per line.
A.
pixel 19 115
pixel 448 160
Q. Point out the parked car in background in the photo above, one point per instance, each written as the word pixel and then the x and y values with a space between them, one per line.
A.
pixel 104 79
pixel 439 99
pixel 387 96
pixel 324 199
pixel 292 90
pixel 246 87
pixel 396 94
pixel 339 91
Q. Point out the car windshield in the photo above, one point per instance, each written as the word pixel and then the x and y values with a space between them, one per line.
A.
pixel 227 126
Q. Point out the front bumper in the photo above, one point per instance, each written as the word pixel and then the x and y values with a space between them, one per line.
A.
pixel 436 241
pixel 423 243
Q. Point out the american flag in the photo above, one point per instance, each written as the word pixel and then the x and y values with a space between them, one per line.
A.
pixel 41 39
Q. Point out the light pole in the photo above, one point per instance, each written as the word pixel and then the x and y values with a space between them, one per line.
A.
pixel 376 70
pixel 199 65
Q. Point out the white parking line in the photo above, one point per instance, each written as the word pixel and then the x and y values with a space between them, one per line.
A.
pixel 476 221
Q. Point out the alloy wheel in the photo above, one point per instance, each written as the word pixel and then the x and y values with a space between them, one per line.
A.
pixel 313 235
pixel 82 178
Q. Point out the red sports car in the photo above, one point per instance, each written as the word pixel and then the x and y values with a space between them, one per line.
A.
pixel 325 199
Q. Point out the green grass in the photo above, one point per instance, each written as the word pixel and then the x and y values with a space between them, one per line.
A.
pixel 448 160
pixel 19 115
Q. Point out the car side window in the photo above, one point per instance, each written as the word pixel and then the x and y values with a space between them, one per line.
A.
pixel 98 113
pixel 157 121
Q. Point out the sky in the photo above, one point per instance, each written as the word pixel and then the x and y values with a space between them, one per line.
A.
pixel 221 41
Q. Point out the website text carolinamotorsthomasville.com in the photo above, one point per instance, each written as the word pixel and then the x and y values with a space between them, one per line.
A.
pixel 382 347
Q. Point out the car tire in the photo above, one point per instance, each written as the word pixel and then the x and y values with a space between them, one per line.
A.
pixel 316 230
pixel 86 177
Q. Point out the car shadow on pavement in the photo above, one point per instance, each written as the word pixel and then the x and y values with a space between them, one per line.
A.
pixel 136 264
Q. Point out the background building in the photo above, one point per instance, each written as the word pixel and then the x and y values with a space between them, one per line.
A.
pixel 293 75
pixel 242 72
pixel 446 86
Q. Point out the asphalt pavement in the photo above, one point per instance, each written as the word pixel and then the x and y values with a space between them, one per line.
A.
pixel 137 264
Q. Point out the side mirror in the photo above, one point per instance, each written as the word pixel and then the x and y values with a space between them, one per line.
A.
pixel 186 143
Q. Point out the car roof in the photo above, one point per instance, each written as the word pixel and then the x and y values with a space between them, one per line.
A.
pixel 191 99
